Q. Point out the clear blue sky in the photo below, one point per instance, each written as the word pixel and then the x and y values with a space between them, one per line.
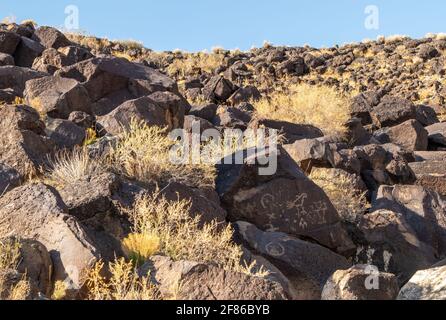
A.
pixel 201 24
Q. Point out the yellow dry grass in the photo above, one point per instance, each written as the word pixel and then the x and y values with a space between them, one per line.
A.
pixel 124 283
pixel 140 246
pixel 195 63
pixel 320 106
pixel 349 203
pixel 69 166
pixel 9 261
pixel 143 153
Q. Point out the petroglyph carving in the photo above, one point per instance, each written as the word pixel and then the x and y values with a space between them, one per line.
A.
pixel 275 249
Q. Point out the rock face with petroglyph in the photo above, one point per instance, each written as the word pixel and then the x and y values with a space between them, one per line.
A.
pixel 286 201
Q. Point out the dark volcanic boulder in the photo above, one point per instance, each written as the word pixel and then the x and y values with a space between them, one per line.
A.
pixel 197 281
pixel 410 135
pixel 391 244
pixel 426 284
pixel 57 96
pixel 437 133
pixel 392 111
pixel 141 109
pixel 422 209
pixel 305 264
pixel 8 42
pixel 64 133
pixel 361 282
pixel 104 76
pixel 15 78
pixel 279 197
pixel 218 89
pixel 27 51
pixel 50 37
pixel 25 146
pixel 291 131
pixel 37 212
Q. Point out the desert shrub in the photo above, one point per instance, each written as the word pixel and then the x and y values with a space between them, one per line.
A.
pixel 69 166
pixel 349 203
pixel 124 283
pixel 181 236
pixel 130 44
pixel 143 153
pixel 9 260
pixel 320 106
pixel 195 63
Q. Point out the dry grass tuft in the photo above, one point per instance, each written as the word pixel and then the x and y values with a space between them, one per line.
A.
pixel 9 261
pixel 195 63
pixel 180 235
pixel 349 203
pixel 143 153
pixel 60 291
pixel 124 284
pixel 320 106
pixel 140 246
pixel 70 166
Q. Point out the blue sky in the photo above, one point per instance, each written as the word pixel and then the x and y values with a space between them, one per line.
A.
pixel 202 24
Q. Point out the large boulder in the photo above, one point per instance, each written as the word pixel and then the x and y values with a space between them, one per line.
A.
pixel 27 51
pixel 388 242
pixel 410 135
pixel 142 110
pixel 25 147
pixel 187 280
pixel 309 153
pixel 392 111
pixel 8 42
pixel 64 133
pixel 422 209
pixel 50 37
pixel 37 212
pixel 218 89
pixel 14 77
pixel 291 131
pixel 437 133
pixel 280 198
pixel 429 284
pixel 57 96
pixel 104 76
pixel 361 282
pixel 305 264
pixel 205 202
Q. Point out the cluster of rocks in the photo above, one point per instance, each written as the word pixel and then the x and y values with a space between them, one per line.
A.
pixel 55 90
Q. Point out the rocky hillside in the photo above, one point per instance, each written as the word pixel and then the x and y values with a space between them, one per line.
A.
pixel 91 206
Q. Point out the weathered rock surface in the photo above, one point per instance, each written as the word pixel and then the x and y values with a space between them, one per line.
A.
pixel 305 264
pixel 37 212
pixel 205 282
pixel 429 284
pixel 361 282
pixel 283 200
